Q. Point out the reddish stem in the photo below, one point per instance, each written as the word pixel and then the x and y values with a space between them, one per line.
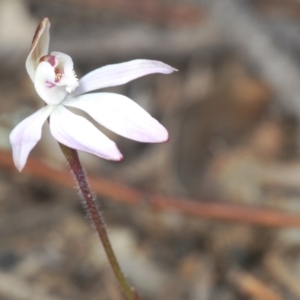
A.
pixel 92 209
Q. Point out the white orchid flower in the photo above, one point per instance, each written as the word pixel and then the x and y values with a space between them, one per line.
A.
pixel 55 82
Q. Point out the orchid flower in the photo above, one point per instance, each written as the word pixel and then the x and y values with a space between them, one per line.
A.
pixel 56 83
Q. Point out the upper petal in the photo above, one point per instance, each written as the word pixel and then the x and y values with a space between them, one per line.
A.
pixel 39 47
pixel 118 74
pixel 121 115
pixel 26 134
pixel 78 133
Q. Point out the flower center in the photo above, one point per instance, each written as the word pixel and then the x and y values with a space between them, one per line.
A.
pixel 53 61
pixel 64 74
pixel 58 74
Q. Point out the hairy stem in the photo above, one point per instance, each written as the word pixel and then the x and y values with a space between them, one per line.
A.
pixel 90 205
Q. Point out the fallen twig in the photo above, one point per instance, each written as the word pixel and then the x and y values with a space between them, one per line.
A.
pixel 252 286
pixel 283 274
pixel 131 196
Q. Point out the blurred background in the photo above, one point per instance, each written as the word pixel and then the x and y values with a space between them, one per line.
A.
pixel 232 112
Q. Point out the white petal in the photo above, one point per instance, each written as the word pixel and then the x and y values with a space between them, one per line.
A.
pixel 118 74
pixel 39 47
pixel 26 134
pixel 121 115
pixel 78 133
pixel 45 85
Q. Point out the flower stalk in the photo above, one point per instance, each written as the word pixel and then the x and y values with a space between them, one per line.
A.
pixel 90 205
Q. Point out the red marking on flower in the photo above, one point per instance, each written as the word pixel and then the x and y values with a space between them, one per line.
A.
pixel 49 84
pixel 51 59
